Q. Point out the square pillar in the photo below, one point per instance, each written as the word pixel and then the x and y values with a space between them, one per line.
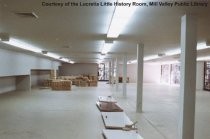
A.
pixel 125 76
pixel 113 66
pixel 110 72
pixel 117 74
pixel 188 77
pixel 140 67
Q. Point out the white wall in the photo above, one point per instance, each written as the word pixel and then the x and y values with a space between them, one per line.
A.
pixel 151 73
pixel 15 63
pixel 78 69
pixel 131 72
pixel 200 75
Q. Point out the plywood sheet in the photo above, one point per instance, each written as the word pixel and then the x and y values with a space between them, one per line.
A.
pixel 108 107
pixel 107 99
pixel 120 134
pixel 115 120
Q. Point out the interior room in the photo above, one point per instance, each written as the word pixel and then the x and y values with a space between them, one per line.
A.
pixel 104 69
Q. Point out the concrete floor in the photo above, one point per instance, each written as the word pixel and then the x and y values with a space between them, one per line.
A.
pixel 46 114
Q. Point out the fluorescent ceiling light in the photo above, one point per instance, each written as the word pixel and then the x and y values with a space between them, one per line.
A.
pixel 23 45
pixel 169 62
pixel 157 63
pixel 52 55
pixel 120 18
pixel 145 59
pixel 173 52
pixel 65 60
pixel 203 58
pixel 151 57
pixel 132 62
pixel 106 48
pixel 201 46
pixel 26 46
pixel 72 62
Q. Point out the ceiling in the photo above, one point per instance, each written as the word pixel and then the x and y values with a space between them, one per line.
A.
pixel 78 32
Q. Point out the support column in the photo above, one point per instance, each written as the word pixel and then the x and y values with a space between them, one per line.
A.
pixel 125 76
pixel 110 76
pixel 140 66
pixel 117 74
pixel 53 74
pixel 112 72
pixel 188 77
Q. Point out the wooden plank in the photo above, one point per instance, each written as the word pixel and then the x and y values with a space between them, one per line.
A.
pixel 108 107
pixel 115 120
pixel 107 99
pixel 120 134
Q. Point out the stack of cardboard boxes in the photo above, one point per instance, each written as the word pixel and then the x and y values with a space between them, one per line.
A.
pixel 61 85
pixel 47 83
pixel 65 82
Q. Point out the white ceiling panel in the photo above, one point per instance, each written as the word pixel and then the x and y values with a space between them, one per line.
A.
pixel 78 32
